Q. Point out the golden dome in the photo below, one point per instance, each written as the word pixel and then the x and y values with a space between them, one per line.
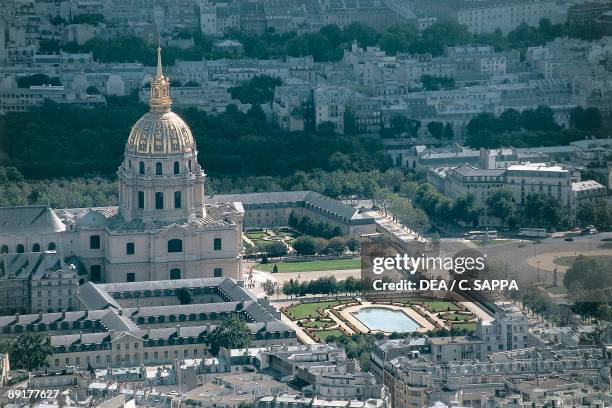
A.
pixel 160 131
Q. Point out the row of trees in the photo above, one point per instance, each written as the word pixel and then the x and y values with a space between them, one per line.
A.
pixel 307 245
pixel 257 90
pixel 68 141
pixel 321 286
pixel 531 127
pixel 307 225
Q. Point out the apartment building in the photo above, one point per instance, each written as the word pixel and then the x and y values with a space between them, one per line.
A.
pixel 36 282
pixel 488 16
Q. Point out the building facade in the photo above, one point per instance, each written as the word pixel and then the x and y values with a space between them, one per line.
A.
pixel 162 228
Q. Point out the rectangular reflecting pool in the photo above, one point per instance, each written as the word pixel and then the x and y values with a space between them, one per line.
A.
pixel 387 320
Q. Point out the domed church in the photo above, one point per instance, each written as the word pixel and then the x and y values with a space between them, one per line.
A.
pixel 162 228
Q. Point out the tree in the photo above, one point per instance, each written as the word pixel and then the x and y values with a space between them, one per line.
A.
pixel 483 121
pixel 37 80
pixel 436 129
pixel 510 120
pixel 597 213
pixel 92 90
pixel 352 244
pixel 275 268
pixel 233 333
pixel 304 245
pixel 275 249
pixel 320 245
pixel 590 283
pixel 588 119
pixel 464 209
pixel 501 205
pixel 28 351
pixel 184 296
pixel 336 245
pixel 399 124
pixel 269 287
pixel 448 131
pixel 544 209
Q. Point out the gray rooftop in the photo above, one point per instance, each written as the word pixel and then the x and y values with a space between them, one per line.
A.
pixel 33 219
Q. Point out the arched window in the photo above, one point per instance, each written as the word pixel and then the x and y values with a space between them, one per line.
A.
pixel 141 168
pixel 175 273
pixel 177 167
pixel 175 245
pixel 159 201
pixel 189 165
pixel 36 247
pixel 4 249
pixel 20 249
pixel 51 246
pixel 158 169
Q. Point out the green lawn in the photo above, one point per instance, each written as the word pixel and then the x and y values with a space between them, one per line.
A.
pixel 307 266
pixel 441 306
pixel 256 234
pixel 557 290
pixel 456 317
pixel 489 243
pixel 309 309
pixel 313 324
pixel 324 334
pixel 569 260
pixel 469 326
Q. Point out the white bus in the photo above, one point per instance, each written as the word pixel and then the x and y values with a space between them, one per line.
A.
pixel 533 232
pixel 491 234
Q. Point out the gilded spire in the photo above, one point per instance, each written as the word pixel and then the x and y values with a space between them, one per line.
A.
pixel 160 88
pixel 159 62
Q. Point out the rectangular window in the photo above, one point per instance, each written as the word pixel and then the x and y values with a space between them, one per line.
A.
pixel 129 248
pixel 218 272
pixel 159 201
pixel 94 242
pixel 95 274
pixel 131 277
pixel 141 199
pixel 217 244
pixel 177 199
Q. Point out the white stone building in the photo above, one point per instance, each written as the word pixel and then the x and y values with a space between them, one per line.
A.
pixel 162 229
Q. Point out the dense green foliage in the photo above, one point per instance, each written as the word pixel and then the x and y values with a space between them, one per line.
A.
pixel 590 284
pixel 328 44
pixel 530 128
pixel 321 286
pixel 37 80
pixel 28 351
pixel 66 141
pixel 258 90
pixel 233 333
pixel 308 226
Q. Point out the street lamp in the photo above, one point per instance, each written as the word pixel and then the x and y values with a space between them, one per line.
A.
pixel 538 263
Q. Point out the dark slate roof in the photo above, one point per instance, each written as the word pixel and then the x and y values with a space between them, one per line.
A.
pixel 160 285
pixel 467 170
pixel 34 265
pixel 94 297
pixel 33 219
pixel 308 198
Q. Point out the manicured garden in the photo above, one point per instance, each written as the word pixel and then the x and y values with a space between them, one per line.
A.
pixel 309 309
pixel 307 266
